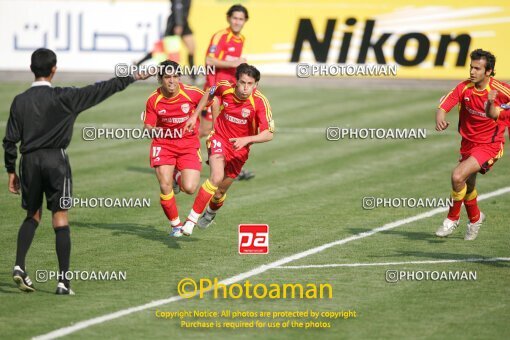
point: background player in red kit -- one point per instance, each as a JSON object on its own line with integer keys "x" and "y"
{"x": 482, "y": 139}
{"x": 224, "y": 53}
{"x": 167, "y": 110}
{"x": 245, "y": 118}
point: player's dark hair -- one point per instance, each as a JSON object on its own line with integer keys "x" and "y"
{"x": 42, "y": 62}
{"x": 169, "y": 66}
{"x": 249, "y": 70}
{"x": 237, "y": 8}
{"x": 490, "y": 59}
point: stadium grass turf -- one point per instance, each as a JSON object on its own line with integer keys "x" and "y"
{"x": 309, "y": 191}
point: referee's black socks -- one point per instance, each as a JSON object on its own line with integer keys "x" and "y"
{"x": 25, "y": 236}
{"x": 191, "y": 62}
{"x": 63, "y": 247}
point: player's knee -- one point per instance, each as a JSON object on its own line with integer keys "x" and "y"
{"x": 165, "y": 188}
{"x": 36, "y": 216}
{"x": 458, "y": 177}
{"x": 59, "y": 219}
{"x": 29, "y": 219}
{"x": 189, "y": 188}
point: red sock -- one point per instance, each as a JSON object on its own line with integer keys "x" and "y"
{"x": 454, "y": 212}
{"x": 217, "y": 203}
{"x": 204, "y": 195}
{"x": 169, "y": 206}
{"x": 458, "y": 198}
{"x": 471, "y": 205}
{"x": 472, "y": 210}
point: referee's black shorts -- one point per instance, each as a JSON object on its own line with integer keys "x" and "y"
{"x": 45, "y": 171}
{"x": 170, "y": 26}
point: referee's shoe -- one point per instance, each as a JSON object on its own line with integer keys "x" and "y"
{"x": 64, "y": 289}
{"x": 22, "y": 280}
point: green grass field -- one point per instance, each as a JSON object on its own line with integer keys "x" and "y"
{"x": 309, "y": 190}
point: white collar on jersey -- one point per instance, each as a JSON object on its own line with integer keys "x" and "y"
{"x": 41, "y": 83}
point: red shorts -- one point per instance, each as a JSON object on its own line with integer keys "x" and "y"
{"x": 485, "y": 154}
{"x": 188, "y": 158}
{"x": 234, "y": 159}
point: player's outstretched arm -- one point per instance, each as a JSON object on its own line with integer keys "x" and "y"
{"x": 490, "y": 109}
{"x": 441, "y": 123}
{"x": 212, "y": 61}
{"x": 262, "y": 137}
{"x": 215, "y": 109}
{"x": 150, "y": 127}
{"x": 192, "y": 120}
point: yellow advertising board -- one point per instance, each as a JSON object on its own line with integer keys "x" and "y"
{"x": 425, "y": 39}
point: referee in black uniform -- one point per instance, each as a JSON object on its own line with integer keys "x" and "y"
{"x": 42, "y": 118}
{"x": 177, "y": 24}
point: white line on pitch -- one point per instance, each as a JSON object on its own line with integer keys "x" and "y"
{"x": 333, "y": 265}
{"x": 256, "y": 271}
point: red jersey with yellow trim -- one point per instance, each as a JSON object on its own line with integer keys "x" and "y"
{"x": 241, "y": 118}
{"x": 172, "y": 113}
{"x": 224, "y": 45}
{"x": 474, "y": 125}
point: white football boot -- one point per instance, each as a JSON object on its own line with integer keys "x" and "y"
{"x": 187, "y": 228}
{"x": 447, "y": 228}
{"x": 473, "y": 228}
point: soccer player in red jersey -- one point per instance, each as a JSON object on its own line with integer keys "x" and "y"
{"x": 482, "y": 138}
{"x": 173, "y": 148}
{"x": 245, "y": 118}
{"x": 224, "y": 53}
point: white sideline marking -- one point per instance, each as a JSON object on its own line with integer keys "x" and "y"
{"x": 256, "y": 271}
{"x": 333, "y": 265}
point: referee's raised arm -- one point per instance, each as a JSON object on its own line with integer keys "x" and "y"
{"x": 77, "y": 100}
{"x": 42, "y": 119}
